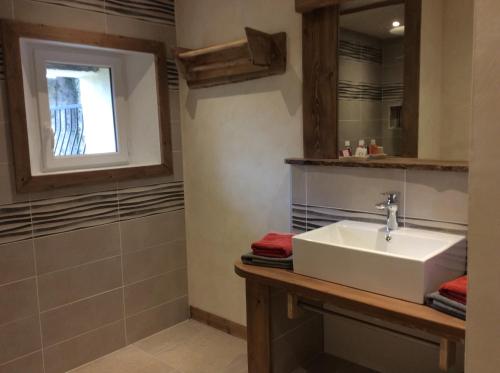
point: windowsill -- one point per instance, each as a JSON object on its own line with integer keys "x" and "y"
{"x": 390, "y": 162}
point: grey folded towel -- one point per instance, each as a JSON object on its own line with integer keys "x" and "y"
{"x": 446, "y": 305}
{"x": 264, "y": 261}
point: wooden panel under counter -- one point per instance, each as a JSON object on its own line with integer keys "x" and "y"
{"x": 263, "y": 282}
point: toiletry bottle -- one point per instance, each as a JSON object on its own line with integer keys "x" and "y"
{"x": 361, "y": 150}
{"x": 373, "y": 148}
{"x": 346, "y": 151}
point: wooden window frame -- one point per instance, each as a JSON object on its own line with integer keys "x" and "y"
{"x": 320, "y": 30}
{"x": 12, "y": 32}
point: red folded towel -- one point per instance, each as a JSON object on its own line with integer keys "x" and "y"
{"x": 455, "y": 290}
{"x": 274, "y": 245}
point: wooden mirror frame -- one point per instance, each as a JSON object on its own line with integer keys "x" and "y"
{"x": 320, "y": 30}
{"x": 12, "y": 32}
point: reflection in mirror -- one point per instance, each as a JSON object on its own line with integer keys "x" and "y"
{"x": 371, "y": 92}
{"x": 371, "y": 66}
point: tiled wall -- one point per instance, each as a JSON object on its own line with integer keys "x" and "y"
{"x": 86, "y": 270}
{"x": 428, "y": 199}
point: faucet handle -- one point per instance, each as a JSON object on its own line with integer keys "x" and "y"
{"x": 392, "y": 197}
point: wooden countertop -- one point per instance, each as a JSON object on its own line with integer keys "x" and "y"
{"x": 390, "y": 162}
{"x": 385, "y": 308}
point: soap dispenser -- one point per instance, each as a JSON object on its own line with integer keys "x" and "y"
{"x": 361, "y": 150}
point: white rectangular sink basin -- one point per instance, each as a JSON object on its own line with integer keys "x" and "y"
{"x": 414, "y": 263}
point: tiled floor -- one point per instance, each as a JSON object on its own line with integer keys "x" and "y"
{"x": 189, "y": 347}
{"x": 192, "y": 347}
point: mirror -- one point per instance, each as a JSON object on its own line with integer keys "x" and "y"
{"x": 373, "y": 69}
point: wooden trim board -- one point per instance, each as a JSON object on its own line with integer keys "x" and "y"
{"x": 218, "y": 322}
{"x": 320, "y": 77}
{"x": 390, "y": 162}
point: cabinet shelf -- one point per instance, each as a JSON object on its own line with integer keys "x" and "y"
{"x": 256, "y": 56}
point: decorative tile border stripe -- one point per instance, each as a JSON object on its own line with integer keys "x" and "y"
{"x": 173, "y": 75}
{"x": 372, "y": 92}
{"x": 92, "y": 5}
{"x": 143, "y": 201}
{"x": 156, "y": 11}
{"x": 56, "y": 215}
{"x": 359, "y": 91}
{"x": 159, "y": 11}
{"x": 307, "y": 217}
{"x": 44, "y": 217}
{"x": 360, "y": 52}
{"x": 15, "y": 222}
{"x": 392, "y": 92}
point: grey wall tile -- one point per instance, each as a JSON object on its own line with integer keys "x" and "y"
{"x": 437, "y": 195}
{"x": 31, "y": 363}
{"x": 352, "y": 188}
{"x": 153, "y": 230}
{"x": 84, "y": 348}
{"x": 19, "y": 338}
{"x": 16, "y": 261}
{"x": 80, "y": 317}
{"x": 59, "y": 251}
{"x": 155, "y": 291}
{"x": 18, "y": 301}
{"x": 155, "y": 319}
{"x": 62, "y": 287}
{"x": 139, "y": 265}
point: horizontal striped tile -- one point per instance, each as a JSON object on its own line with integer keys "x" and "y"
{"x": 157, "y": 11}
{"x": 359, "y": 91}
{"x": 68, "y": 213}
{"x": 360, "y": 52}
{"x": 392, "y": 92}
{"x": 58, "y": 215}
{"x": 149, "y": 200}
{"x": 15, "y": 222}
{"x": 308, "y": 217}
{"x": 173, "y": 75}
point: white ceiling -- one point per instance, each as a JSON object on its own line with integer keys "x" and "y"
{"x": 374, "y": 22}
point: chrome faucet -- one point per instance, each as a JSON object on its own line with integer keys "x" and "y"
{"x": 391, "y": 206}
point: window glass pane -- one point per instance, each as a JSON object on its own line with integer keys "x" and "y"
{"x": 81, "y": 109}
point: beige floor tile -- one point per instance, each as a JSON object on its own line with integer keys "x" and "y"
{"x": 192, "y": 347}
{"x": 127, "y": 360}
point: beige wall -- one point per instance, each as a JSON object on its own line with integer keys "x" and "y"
{"x": 235, "y": 140}
{"x": 445, "y": 79}
{"x": 483, "y": 318}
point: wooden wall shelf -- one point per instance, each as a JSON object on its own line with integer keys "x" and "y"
{"x": 256, "y": 56}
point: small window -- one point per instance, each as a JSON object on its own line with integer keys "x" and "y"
{"x": 82, "y": 123}
{"x": 85, "y": 107}
{"x": 76, "y": 93}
